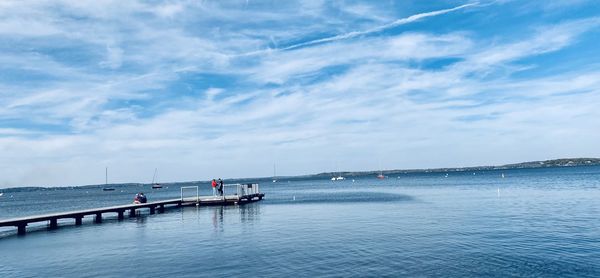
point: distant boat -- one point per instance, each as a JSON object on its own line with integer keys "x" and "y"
{"x": 274, "y": 173}
{"x": 155, "y": 185}
{"x": 1, "y": 193}
{"x": 106, "y": 188}
{"x": 380, "y": 176}
{"x": 338, "y": 177}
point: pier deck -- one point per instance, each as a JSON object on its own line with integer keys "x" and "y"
{"x": 160, "y": 206}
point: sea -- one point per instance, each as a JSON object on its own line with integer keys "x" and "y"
{"x": 495, "y": 223}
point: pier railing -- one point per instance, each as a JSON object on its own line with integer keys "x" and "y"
{"x": 248, "y": 189}
{"x": 241, "y": 189}
{"x": 190, "y": 188}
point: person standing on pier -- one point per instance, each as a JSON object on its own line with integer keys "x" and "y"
{"x": 220, "y": 187}
{"x": 214, "y": 187}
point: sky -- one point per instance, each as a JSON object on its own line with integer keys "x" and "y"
{"x": 206, "y": 89}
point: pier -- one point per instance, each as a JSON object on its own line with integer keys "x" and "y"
{"x": 245, "y": 193}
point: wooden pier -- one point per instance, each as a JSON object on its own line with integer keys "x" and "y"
{"x": 153, "y": 207}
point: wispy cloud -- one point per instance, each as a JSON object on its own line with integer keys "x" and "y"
{"x": 134, "y": 86}
{"x": 377, "y": 29}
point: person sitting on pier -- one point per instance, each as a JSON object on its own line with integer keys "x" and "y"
{"x": 214, "y": 187}
{"x": 143, "y": 198}
{"x": 140, "y": 198}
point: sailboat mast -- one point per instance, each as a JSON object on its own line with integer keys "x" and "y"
{"x": 106, "y": 176}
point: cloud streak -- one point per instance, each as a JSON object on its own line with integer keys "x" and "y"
{"x": 377, "y": 29}
{"x": 156, "y": 86}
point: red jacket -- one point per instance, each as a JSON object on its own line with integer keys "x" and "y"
{"x": 214, "y": 184}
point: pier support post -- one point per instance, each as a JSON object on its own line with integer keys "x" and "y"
{"x": 120, "y": 214}
{"x": 98, "y": 218}
{"x": 21, "y": 229}
{"x": 161, "y": 208}
{"x": 53, "y": 223}
{"x": 152, "y": 210}
{"x": 78, "y": 220}
{"x": 132, "y": 212}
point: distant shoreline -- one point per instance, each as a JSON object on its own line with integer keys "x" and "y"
{"x": 552, "y": 163}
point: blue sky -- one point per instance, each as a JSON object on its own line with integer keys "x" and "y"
{"x": 202, "y": 89}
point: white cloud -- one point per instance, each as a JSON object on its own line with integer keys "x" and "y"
{"x": 348, "y": 98}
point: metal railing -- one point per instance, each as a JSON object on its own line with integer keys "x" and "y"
{"x": 242, "y": 189}
{"x": 236, "y": 189}
{"x": 190, "y": 187}
{"x": 248, "y": 189}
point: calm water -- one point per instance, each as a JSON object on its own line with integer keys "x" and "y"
{"x": 531, "y": 223}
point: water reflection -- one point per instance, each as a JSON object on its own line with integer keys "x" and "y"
{"x": 217, "y": 218}
{"x": 140, "y": 219}
{"x": 249, "y": 212}
{"x": 186, "y": 212}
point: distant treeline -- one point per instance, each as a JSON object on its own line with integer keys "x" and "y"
{"x": 563, "y": 162}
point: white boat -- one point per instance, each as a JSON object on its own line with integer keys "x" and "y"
{"x": 338, "y": 177}
{"x": 274, "y": 173}
{"x": 380, "y": 176}
{"x": 1, "y": 193}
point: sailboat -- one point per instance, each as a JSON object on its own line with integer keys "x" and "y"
{"x": 106, "y": 188}
{"x": 155, "y": 185}
{"x": 274, "y": 173}
{"x": 380, "y": 176}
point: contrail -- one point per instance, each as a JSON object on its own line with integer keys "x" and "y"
{"x": 354, "y": 34}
